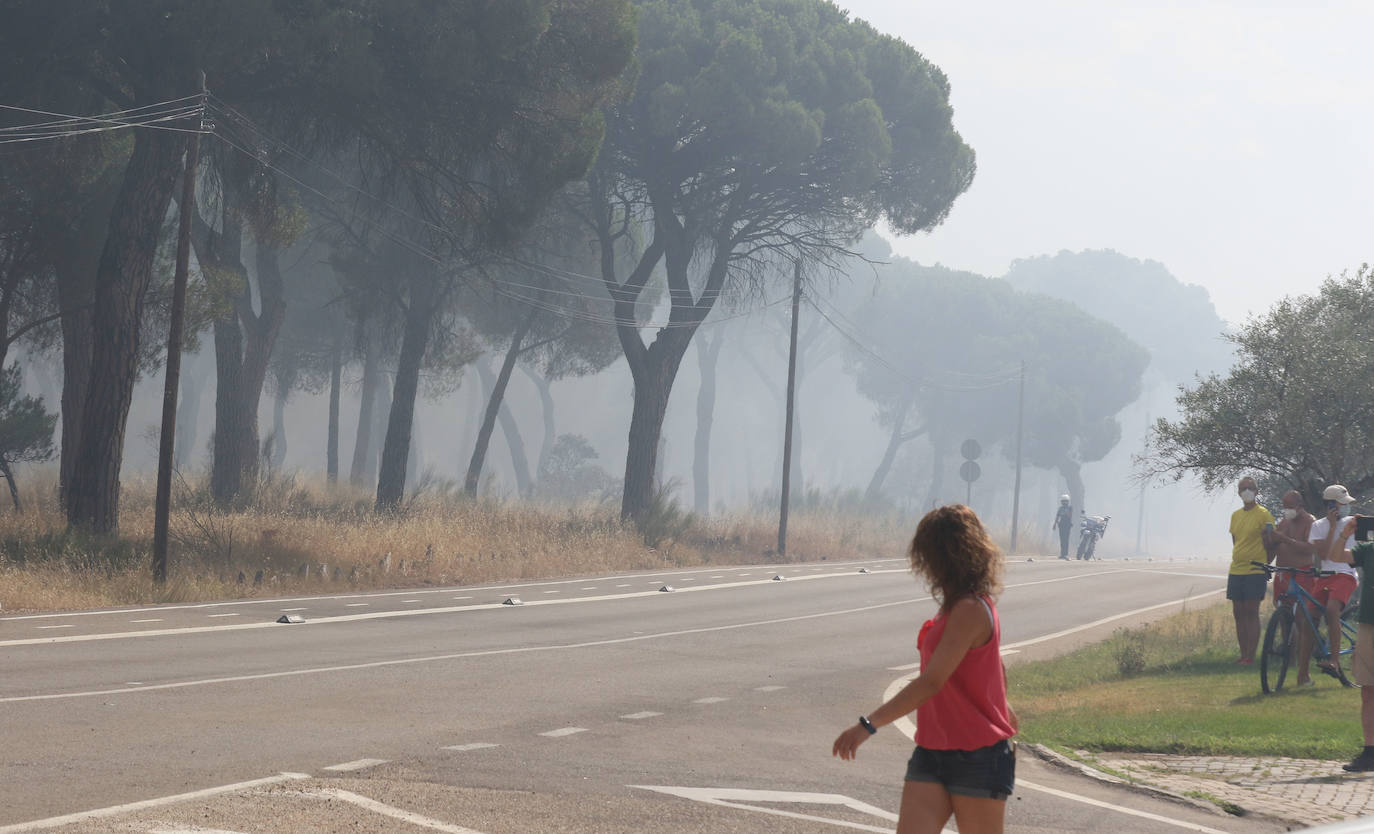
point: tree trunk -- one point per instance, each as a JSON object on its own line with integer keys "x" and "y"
{"x": 78, "y": 258}
{"x": 937, "y": 474}
{"x": 231, "y": 458}
{"x": 550, "y": 427}
{"x": 391, "y": 475}
{"x": 286, "y": 380}
{"x": 120, "y": 288}
{"x": 708, "y": 352}
{"x": 362, "y": 443}
{"x": 14, "y": 488}
{"x": 188, "y": 414}
{"x": 331, "y": 451}
{"x": 895, "y": 440}
{"x": 495, "y": 401}
{"x": 653, "y": 378}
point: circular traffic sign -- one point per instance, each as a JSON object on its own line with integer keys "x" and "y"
{"x": 971, "y": 450}
{"x": 970, "y": 470}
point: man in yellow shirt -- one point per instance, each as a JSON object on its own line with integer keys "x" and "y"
{"x": 1251, "y": 528}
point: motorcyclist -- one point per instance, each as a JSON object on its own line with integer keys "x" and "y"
{"x": 1063, "y": 522}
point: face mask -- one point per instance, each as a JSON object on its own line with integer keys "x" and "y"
{"x": 1247, "y": 495}
{"x": 1289, "y": 513}
{"x": 1345, "y": 510}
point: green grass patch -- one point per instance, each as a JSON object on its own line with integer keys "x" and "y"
{"x": 1173, "y": 687}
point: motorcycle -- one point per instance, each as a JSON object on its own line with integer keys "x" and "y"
{"x": 1091, "y": 528}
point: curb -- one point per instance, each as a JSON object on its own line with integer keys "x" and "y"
{"x": 1063, "y": 762}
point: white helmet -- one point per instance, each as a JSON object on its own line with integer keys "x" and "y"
{"x": 1063, "y": 499}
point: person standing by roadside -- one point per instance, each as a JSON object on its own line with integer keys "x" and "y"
{"x": 1291, "y": 550}
{"x": 964, "y": 763}
{"x": 1245, "y": 582}
{"x": 1063, "y": 522}
{"x": 1362, "y": 555}
{"x": 1333, "y": 591}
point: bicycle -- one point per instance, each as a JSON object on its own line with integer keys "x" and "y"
{"x": 1279, "y": 646}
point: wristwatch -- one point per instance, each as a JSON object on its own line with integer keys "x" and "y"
{"x": 867, "y": 725}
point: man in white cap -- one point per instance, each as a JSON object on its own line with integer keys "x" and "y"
{"x": 1333, "y": 591}
{"x": 1063, "y": 522}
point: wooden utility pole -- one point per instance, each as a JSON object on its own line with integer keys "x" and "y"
{"x": 791, "y": 397}
{"x": 1016, "y": 489}
{"x": 167, "y": 440}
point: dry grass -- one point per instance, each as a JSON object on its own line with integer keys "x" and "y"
{"x": 310, "y": 538}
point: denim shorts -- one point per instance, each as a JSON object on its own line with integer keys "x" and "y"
{"x": 985, "y": 773}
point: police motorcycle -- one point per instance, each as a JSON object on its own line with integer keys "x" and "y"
{"x": 1091, "y": 528}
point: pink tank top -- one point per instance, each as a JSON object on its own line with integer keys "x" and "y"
{"x": 970, "y": 711}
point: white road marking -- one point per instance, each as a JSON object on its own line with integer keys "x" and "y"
{"x": 731, "y": 798}
{"x": 716, "y": 576}
{"x": 410, "y": 600}
{"x": 590, "y": 588}
{"x": 357, "y": 605}
{"x": 710, "y": 700}
{"x": 1097, "y": 803}
{"x": 637, "y": 716}
{"x": 564, "y": 731}
{"x": 357, "y": 764}
{"x": 153, "y": 620}
{"x": 295, "y": 609}
{"x": 744, "y": 574}
{"x": 476, "y": 745}
{"x": 68, "y": 625}
{"x": 318, "y": 670}
{"x": 389, "y": 811}
{"x": 222, "y": 615}
{"x": 626, "y": 586}
{"x": 768, "y": 688}
{"x": 335, "y": 597}
{"x": 553, "y": 592}
{"x": 133, "y": 683}
{"x": 114, "y": 810}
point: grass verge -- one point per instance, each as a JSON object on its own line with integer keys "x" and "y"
{"x": 1173, "y": 687}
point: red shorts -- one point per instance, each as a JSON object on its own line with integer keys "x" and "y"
{"x": 1338, "y": 586}
{"x": 1281, "y": 584}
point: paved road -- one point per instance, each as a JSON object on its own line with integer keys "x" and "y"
{"x": 598, "y": 705}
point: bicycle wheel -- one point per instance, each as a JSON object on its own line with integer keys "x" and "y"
{"x": 1277, "y": 650}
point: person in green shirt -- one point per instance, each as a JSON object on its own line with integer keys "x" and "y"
{"x": 1251, "y": 527}
{"x": 1361, "y": 556}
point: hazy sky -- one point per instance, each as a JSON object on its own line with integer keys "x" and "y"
{"x": 1229, "y": 140}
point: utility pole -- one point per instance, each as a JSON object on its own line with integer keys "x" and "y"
{"x": 167, "y": 439}
{"x": 1020, "y": 422}
{"x": 791, "y": 395}
{"x": 1140, "y": 515}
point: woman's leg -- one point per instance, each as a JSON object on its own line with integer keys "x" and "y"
{"x": 925, "y": 808}
{"x": 978, "y": 816}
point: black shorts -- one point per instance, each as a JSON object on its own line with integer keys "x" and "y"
{"x": 985, "y": 773}
{"x": 1246, "y": 587}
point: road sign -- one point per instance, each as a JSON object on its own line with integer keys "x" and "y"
{"x": 971, "y": 449}
{"x": 970, "y": 470}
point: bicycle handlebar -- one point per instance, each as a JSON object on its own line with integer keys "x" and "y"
{"x": 1272, "y": 569}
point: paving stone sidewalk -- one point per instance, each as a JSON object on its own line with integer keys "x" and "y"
{"x": 1302, "y": 791}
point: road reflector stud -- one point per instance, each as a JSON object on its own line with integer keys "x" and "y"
{"x": 291, "y": 618}
{"x": 777, "y": 577}
{"x": 667, "y": 589}
{"x": 512, "y": 601}
{"x": 863, "y": 570}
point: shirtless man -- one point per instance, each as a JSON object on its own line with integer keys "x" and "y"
{"x": 1291, "y": 539}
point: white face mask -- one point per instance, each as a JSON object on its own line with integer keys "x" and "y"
{"x": 1289, "y": 513}
{"x": 1247, "y": 495}
{"x": 1345, "y": 510}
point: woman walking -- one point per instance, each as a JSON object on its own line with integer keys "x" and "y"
{"x": 964, "y": 763}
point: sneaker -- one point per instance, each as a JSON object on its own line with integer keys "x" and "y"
{"x": 1307, "y": 683}
{"x": 1362, "y": 762}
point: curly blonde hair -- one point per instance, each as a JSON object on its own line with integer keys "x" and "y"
{"x": 953, "y": 552}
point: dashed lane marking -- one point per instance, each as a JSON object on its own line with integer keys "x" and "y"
{"x": 43, "y": 628}
{"x": 768, "y": 688}
{"x": 212, "y": 616}
{"x": 476, "y": 745}
{"x": 356, "y": 605}
{"x": 153, "y": 620}
{"x": 357, "y": 764}
{"x": 296, "y": 609}
{"x": 553, "y": 592}
{"x": 564, "y": 731}
{"x": 711, "y": 700}
{"x": 410, "y": 600}
{"x": 115, "y": 810}
{"x": 639, "y": 716}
